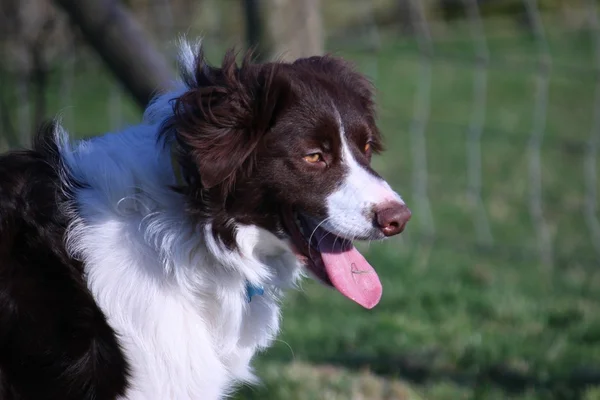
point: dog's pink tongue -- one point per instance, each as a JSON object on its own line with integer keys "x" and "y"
{"x": 349, "y": 272}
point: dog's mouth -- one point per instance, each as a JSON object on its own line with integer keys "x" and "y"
{"x": 333, "y": 259}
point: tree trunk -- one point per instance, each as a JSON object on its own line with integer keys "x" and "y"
{"x": 119, "y": 40}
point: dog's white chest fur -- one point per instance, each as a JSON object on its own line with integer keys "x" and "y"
{"x": 175, "y": 297}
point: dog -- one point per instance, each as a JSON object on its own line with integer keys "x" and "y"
{"x": 150, "y": 263}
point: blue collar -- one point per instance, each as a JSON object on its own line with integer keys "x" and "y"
{"x": 252, "y": 290}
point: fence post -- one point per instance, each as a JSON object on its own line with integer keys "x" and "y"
{"x": 254, "y": 27}
{"x": 294, "y": 28}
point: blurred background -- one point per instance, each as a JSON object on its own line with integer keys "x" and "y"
{"x": 491, "y": 115}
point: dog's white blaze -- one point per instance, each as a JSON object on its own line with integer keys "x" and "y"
{"x": 350, "y": 207}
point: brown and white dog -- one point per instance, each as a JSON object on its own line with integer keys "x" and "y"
{"x": 149, "y": 264}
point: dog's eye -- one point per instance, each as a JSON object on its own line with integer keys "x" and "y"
{"x": 313, "y": 158}
{"x": 368, "y": 147}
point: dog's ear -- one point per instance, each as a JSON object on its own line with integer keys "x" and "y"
{"x": 221, "y": 119}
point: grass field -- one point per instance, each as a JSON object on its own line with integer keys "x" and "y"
{"x": 457, "y": 320}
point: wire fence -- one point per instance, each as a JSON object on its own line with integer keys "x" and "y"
{"x": 426, "y": 48}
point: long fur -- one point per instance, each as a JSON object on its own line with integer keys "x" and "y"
{"x": 117, "y": 281}
{"x": 191, "y": 330}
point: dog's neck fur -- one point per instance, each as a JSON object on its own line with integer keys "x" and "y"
{"x": 176, "y": 296}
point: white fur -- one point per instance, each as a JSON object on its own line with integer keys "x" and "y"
{"x": 174, "y": 295}
{"x": 350, "y": 207}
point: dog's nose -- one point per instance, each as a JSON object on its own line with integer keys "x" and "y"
{"x": 391, "y": 217}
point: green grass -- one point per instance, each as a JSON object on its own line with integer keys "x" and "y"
{"x": 457, "y": 320}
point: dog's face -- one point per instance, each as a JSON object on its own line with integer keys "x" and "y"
{"x": 288, "y": 147}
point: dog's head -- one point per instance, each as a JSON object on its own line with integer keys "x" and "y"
{"x": 287, "y": 147}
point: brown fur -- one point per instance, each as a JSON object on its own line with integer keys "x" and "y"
{"x": 241, "y": 132}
